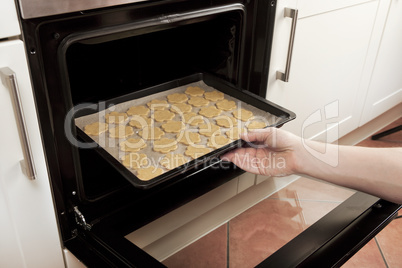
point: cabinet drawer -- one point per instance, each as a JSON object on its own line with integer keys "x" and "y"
{"x": 313, "y": 7}
{"x": 8, "y": 19}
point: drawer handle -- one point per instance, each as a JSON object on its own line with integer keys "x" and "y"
{"x": 9, "y": 80}
{"x": 289, "y": 13}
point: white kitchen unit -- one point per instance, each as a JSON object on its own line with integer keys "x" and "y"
{"x": 28, "y": 229}
{"x": 385, "y": 85}
{"x": 331, "y": 44}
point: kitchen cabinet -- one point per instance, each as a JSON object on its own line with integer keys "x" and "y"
{"x": 28, "y": 229}
{"x": 385, "y": 85}
{"x": 329, "y": 55}
{"x": 8, "y": 19}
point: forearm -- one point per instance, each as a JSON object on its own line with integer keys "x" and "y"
{"x": 377, "y": 171}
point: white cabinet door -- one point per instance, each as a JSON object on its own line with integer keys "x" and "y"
{"x": 329, "y": 54}
{"x": 385, "y": 88}
{"x": 8, "y": 19}
{"x": 28, "y": 233}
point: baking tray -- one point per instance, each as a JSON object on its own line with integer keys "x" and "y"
{"x": 273, "y": 114}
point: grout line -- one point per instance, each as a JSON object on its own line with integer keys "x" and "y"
{"x": 227, "y": 245}
{"x": 382, "y": 255}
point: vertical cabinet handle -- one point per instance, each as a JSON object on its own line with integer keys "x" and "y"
{"x": 9, "y": 80}
{"x": 289, "y": 13}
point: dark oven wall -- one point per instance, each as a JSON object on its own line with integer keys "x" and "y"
{"x": 96, "y": 55}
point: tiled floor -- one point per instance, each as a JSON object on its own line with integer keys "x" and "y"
{"x": 255, "y": 234}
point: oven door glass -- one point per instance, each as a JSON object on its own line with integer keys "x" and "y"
{"x": 288, "y": 228}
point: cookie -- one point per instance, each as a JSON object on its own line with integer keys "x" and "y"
{"x": 177, "y": 98}
{"x": 214, "y": 95}
{"x": 243, "y": 114}
{"x": 198, "y": 101}
{"x": 116, "y": 118}
{"x": 151, "y": 133}
{"x": 173, "y": 126}
{"x": 121, "y": 132}
{"x": 193, "y": 119}
{"x": 210, "y": 111}
{"x": 194, "y": 91}
{"x": 226, "y": 105}
{"x": 208, "y": 129}
{"x": 217, "y": 141}
{"x": 165, "y": 145}
{"x": 96, "y": 128}
{"x": 157, "y": 105}
{"x": 145, "y": 174}
{"x": 138, "y": 110}
{"x": 161, "y": 116}
{"x": 133, "y": 145}
{"x": 171, "y": 160}
{"x": 135, "y": 160}
{"x": 181, "y": 108}
{"x": 226, "y": 121}
{"x": 256, "y": 125}
{"x": 195, "y": 152}
{"x": 140, "y": 121}
{"x": 188, "y": 137}
{"x": 234, "y": 133}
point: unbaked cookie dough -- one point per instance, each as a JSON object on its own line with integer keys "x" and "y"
{"x": 226, "y": 121}
{"x": 214, "y": 95}
{"x": 226, "y": 105}
{"x": 234, "y": 133}
{"x": 195, "y": 152}
{"x": 210, "y": 111}
{"x": 135, "y": 160}
{"x": 177, "y": 98}
{"x": 116, "y": 118}
{"x": 165, "y": 145}
{"x": 133, "y": 145}
{"x": 121, "y": 132}
{"x": 181, "y": 108}
{"x": 188, "y": 137}
{"x": 161, "y": 116}
{"x": 140, "y": 121}
{"x": 157, "y": 105}
{"x": 256, "y": 125}
{"x": 193, "y": 119}
{"x": 138, "y": 110}
{"x": 243, "y": 114}
{"x": 148, "y": 173}
{"x": 208, "y": 129}
{"x": 151, "y": 133}
{"x": 217, "y": 141}
{"x": 95, "y": 129}
{"x": 172, "y": 160}
{"x": 173, "y": 126}
{"x": 198, "y": 101}
{"x": 194, "y": 91}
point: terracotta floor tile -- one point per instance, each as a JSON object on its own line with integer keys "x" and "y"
{"x": 262, "y": 230}
{"x": 392, "y": 140}
{"x": 308, "y": 189}
{"x": 312, "y": 211}
{"x": 208, "y": 251}
{"x": 368, "y": 257}
{"x": 390, "y": 241}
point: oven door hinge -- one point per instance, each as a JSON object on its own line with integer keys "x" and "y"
{"x": 80, "y": 219}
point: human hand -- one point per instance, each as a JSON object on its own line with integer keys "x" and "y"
{"x": 269, "y": 152}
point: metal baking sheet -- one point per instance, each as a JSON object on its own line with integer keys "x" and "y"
{"x": 109, "y": 147}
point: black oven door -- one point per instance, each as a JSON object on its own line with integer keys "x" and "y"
{"x": 329, "y": 242}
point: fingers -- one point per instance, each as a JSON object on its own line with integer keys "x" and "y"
{"x": 259, "y": 135}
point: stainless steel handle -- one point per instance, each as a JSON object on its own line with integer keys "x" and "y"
{"x": 9, "y": 79}
{"x": 289, "y": 13}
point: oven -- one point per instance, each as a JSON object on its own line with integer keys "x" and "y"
{"x": 92, "y": 58}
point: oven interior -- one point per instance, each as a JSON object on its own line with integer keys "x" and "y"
{"x": 99, "y": 68}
